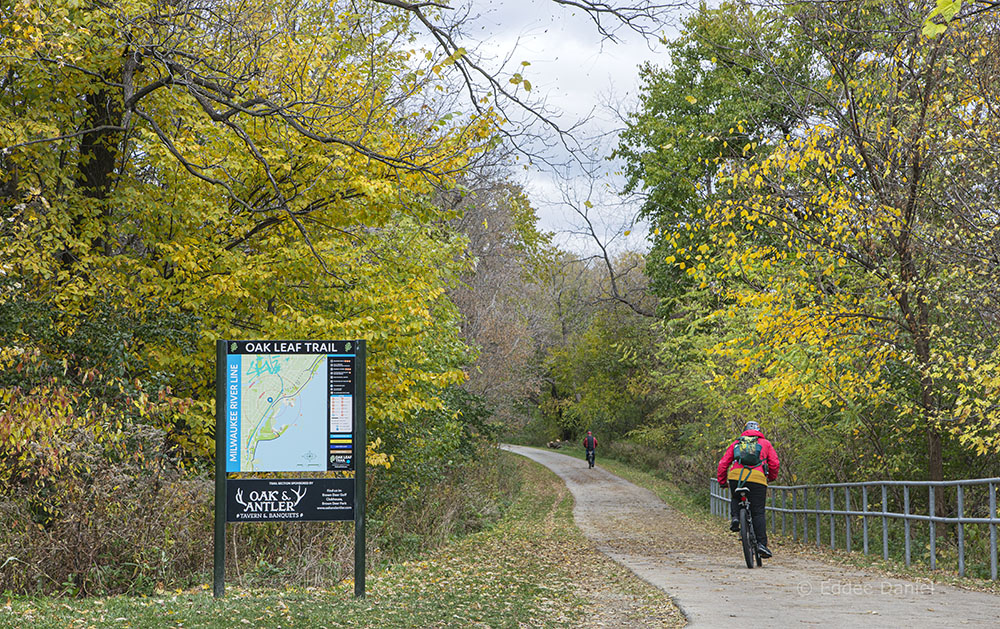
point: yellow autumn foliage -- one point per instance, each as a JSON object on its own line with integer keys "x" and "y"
{"x": 271, "y": 179}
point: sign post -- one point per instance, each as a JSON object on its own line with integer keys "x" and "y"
{"x": 218, "y": 581}
{"x": 290, "y": 406}
{"x": 359, "y": 473}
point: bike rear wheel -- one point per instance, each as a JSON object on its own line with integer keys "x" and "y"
{"x": 745, "y": 537}
{"x": 753, "y": 539}
{"x": 753, "y": 543}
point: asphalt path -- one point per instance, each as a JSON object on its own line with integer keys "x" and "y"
{"x": 702, "y": 568}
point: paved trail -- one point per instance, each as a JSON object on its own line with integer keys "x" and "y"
{"x": 703, "y": 571}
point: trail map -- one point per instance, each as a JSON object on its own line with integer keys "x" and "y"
{"x": 282, "y": 395}
{"x": 291, "y": 411}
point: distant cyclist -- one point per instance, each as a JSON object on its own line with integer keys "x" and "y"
{"x": 590, "y": 445}
{"x": 754, "y": 463}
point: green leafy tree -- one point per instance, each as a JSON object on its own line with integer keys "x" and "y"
{"x": 712, "y": 104}
{"x": 842, "y": 237}
{"x": 815, "y": 265}
{"x": 269, "y": 177}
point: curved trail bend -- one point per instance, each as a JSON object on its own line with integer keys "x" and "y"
{"x": 703, "y": 570}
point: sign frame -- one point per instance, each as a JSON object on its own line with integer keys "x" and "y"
{"x": 279, "y": 499}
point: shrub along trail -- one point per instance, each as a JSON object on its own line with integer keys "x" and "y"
{"x": 533, "y": 569}
{"x": 701, "y": 567}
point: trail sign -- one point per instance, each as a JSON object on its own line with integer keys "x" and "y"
{"x": 289, "y": 406}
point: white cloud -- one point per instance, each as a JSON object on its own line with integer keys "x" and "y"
{"x": 577, "y": 74}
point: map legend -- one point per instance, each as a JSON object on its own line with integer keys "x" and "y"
{"x": 340, "y": 376}
{"x": 341, "y": 412}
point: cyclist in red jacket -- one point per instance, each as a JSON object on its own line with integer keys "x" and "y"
{"x": 754, "y": 477}
{"x": 590, "y": 445}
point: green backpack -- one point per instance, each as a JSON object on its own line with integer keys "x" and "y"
{"x": 746, "y": 451}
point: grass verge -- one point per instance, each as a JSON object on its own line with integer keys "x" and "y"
{"x": 534, "y": 569}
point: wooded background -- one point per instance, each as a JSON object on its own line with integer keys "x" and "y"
{"x": 821, "y": 179}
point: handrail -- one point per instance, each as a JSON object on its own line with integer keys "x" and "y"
{"x": 897, "y": 483}
{"x": 876, "y": 504}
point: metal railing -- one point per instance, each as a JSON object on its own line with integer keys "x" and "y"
{"x": 888, "y": 503}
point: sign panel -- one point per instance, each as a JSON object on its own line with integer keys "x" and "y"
{"x": 290, "y": 500}
{"x": 289, "y": 406}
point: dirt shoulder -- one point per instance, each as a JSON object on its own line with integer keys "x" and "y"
{"x": 701, "y": 567}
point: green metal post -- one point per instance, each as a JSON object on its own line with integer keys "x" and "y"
{"x": 219, "y": 578}
{"x": 360, "y": 460}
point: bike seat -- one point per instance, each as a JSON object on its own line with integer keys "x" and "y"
{"x": 741, "y": 490}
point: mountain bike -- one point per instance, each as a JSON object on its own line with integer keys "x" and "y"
{"x": 590, "y": 458}
{"x": 747, "y": 535}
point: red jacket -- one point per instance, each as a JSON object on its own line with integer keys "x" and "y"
{"x": 592, "y": 437}
{"x": 756, "y": 475}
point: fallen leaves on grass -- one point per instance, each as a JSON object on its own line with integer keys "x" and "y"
{"x": 534, "y": 569}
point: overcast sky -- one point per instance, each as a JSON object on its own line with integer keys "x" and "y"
{"x": 577, "y": 74}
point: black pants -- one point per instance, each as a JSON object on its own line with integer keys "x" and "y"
{"x": 758, "y": 497}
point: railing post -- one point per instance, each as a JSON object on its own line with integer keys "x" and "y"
{"x": 885, "y": 525}
{"x": 818, "y": 527}
{"x": 795, "y": 528}
{"x": 805, "y": 514}
{"x": 961, "y": 531}
{"x": 906, "y": 522}
{"x": 864, "y": 518}
{"x": 993, "y": 532}
{"x": 784, "y": 509}
{"x": 833, "y": 527}
{"x": 773, "y": 518}
{"x": 847, "y": 519}
{"x": 931, "y": 511}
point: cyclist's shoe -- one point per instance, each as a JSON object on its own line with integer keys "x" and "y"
{"x": 763, "y": 551}
{"x": 734, "y": 525}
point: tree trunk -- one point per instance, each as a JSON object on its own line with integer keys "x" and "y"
{"x": 935, "y": 465}
{"x": 99, "y": 150}
{"x": 917, "y": 317}
{"x": 929, "y": 406}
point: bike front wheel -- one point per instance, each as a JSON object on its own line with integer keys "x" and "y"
{"x": 745, "y": 537}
